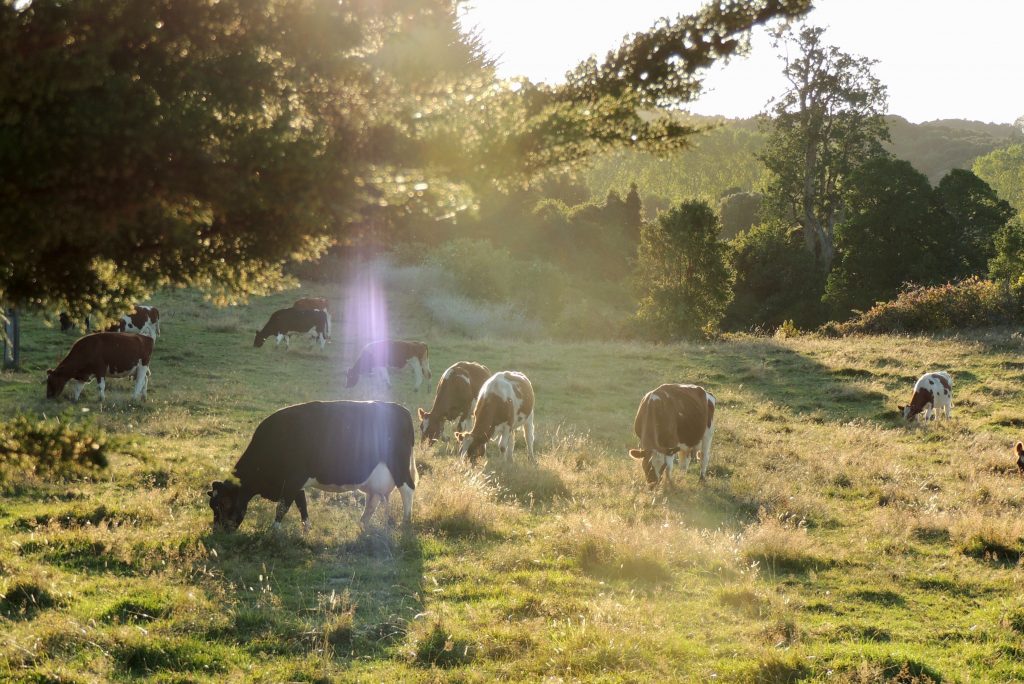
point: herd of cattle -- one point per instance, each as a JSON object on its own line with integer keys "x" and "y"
{"x": 369, "y": 445}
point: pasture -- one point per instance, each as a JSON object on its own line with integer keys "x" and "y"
{"x": 829, "y": 543}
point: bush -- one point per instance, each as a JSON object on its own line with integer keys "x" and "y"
{"x": 50, "y": 449}
{"x": 971, "y": 303}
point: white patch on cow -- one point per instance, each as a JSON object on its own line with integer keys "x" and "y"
{"x": 447, "y": 373}
{"x": 501, "y": 387}
{"x": 76, "y": 388}
{"x": 142, "y": 374}
{"x": 101, "y": 385}
{"x": 407, "y": 496}
{"x": 377, "y": 487}
{"x": 417, "y": 371}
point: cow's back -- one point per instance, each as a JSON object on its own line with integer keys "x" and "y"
{"x": 335, "y": 442}
{"x": 115, "y": 351}
{"x": 671, "y": 415}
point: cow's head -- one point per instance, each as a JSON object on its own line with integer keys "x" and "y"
{"x": 430, "y": 430}
{"x": 228, "y": 506}
{"x": 470, "y": 446}
{"x": 258, "y": 342}
{"x": 1019, "y": 449}
{"x": 908, "y": 412}
{"x": 54, "y": 383}
{"x": 352, "y": 377}
{"x": 654, "y": 463}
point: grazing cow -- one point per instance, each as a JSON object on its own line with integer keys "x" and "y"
{"x": 384, "y": 354}
{"x": 138, "y": 320}
{"x": 103, "y": 355}
{"x": 454, "y": 400}
{"x": 1019, "y": 450}
{"x": 336, "y": 446}
{"x": 285, "y": 321}
{"x": 932, "y": 391}
{"x": 505, "y": 402}
{"x": 316, "y": 303}
{"x": 65, "y": 322}
{"x": 673, "y": 418}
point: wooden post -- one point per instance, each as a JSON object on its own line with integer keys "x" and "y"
{"x": 12, "y": 340}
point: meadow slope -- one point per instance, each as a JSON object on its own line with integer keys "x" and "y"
{"x": 829, "y": 543}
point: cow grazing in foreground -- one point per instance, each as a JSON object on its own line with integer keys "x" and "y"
{"x": 138, "y": 320}
{"x": 505, "y": 402}
{"x": 336, "y": 446}
{"x": 378, "y": 357}
{"x": 103, "y": 355}
{"x": 454, "y": 400}
{"x": 671, "y": 419}
{"x": 315, "y": 303}
{"x": 283, "y": 322}
{"x": 932, "y": 391}
{"x": 1019, "y": 450}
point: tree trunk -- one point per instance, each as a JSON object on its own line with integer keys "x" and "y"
{"x": 12, "y": 349}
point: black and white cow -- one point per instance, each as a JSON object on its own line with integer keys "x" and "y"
{"x": 673, "y": 419}
{"x": 932, "y": 391}
{"x": 336, "y": 446}
{"x": 283, "y": 322}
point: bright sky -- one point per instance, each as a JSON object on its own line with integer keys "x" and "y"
{"x": 940, "y": 59}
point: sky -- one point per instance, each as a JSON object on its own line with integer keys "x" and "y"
{"x": 941, "y": 59}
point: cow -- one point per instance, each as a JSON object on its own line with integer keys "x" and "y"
{"x": 673, "y": 418}
{"x": 336, "y": 446}
{"x": 315, "y": 303}
{"x": 932, "y": 391}
{"x": 505, "y": 402}
{"x": 454, "y": 400}
{"x": 285, "y": 321}
{"x": 1019, "y": 450}
{"x": 103, "y": 355}
{"x": 384, "y": 354}
{"x": 138, "y": 320}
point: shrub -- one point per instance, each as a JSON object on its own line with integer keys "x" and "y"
{"x": 51, "y": 449}
{"x": 967, "y": 304}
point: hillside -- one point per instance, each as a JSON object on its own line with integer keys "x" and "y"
{"x": 830, "y": 541}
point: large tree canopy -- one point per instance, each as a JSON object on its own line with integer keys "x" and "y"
{"x": 207, "y": 142}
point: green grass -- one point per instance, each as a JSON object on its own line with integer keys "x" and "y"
{"x": 829, "y": 543}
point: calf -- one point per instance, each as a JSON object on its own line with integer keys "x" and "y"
{"x": 385, "y": 354}
{"x": 102, "y": 355}
{"x": 454, "y": 400}
{"x": 932, "y": 391}
{"x": 335, "y": 446}
{"x": 285, "y": 321}
{"x": 315, "y": 303}
{"x": 505, "y": 402}
{"x": 144, "y": 319}
{"x": 673, "y": 418}
{"x": 1019, "y": 450}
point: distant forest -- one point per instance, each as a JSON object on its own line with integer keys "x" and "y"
{"x": 724, "y": 160}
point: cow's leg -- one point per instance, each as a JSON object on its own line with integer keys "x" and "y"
{"x": 949, "y": 407}
{"x": 282, "y": 507}
{"x": 101, "y": 384}
{"x": 689, "y": 455}
{"x": 287, "y": 342}
{"x": 300, "y": 503}
{"x": 372, "y": 500}
{"x": 385, "y": 377}
{"x": 509, "y": 435}
{"x": 277, "y": 340}
{"x": 705, "y": 451}
{"x": 407, "y": 494}
{"x": 321, "y": 340}
{"x": 528, "y": 432}
{"x": 417, "y": 372}
{"x": 141, "y": 381}
{"x": 76, "y": 388}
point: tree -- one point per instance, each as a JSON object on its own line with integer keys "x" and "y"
{"x": 738, "y": 212}
{"x": 895, "y": 232}
{"x": 683, "y": 273}
{"x": 633, "y": 211}
{"x": 209, "y": 142}
{"x": 828, "y": 123}
{"x": 1003, "y": 169}
{"x": 776, "y": 279}
{"x": 977, "y": 215}
{"x": 1008, "y": 264}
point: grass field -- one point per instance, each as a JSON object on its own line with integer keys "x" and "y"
{"x": 829, "y": 543}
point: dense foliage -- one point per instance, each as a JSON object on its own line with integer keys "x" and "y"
{"x": 48, "y": 449}
{"x": 972, "y": 303}
{"x": 683, "y": 274}
{"x": 1003, "y": 169}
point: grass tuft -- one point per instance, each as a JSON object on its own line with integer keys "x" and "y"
{"x": 23, "y": 599}
{"x": 440, "y": 648}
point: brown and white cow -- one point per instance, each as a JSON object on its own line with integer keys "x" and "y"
{"x": 454, "y": 400}
{"x": 315, "y": 304}
{"x": 672, "y": 419}
{"x": 137, "y": 321}
{"x": 505, "y": 402}
{"x": 378, "y": 357}
{"x": 932, "y": 391}
{"x": 103, "y": 355}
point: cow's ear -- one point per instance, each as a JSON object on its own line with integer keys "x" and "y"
{"x": 422, "y": 414}
{"x": 638, "y": 454}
